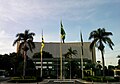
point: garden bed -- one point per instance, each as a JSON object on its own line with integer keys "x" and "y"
{"x": 26, "y": 79}
{"x": 100, "y": 79}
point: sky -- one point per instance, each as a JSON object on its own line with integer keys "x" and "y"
{"x": 16, "y": 16}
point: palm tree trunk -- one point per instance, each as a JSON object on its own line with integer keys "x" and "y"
{"x": 103, "y": 63}
{"x": 70, "y": 68}
{"x": 24, "y": 54}
{"x": 24, "y": 66}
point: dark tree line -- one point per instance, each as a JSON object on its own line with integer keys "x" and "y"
{"x": 13, "y": 63}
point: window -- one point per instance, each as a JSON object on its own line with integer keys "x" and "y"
{"x": 50, "y": 67}
{"x": 49, "y": 62}
{"x": 44, "y": 67}
{"x": 38, "y": 62}
{"x": 44, "y": 62}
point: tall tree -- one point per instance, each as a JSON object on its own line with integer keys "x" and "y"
{"x": 100, "y": 38}
{"x": 26, "y": 43}
{"x": 45, "y": 55}
{"x": 69, "y": 55}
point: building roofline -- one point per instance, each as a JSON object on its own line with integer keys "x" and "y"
{"x": 59, "y": 42}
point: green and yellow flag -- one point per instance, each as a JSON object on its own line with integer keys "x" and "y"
{"x": 42, "y": 43}
{"x": 62, "y": 33}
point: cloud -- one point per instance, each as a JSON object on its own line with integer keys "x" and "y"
{"x": 17, "y": 15}
{"x": 6, "y": 43}
{"x": 22, "y": 9}
{"x": 24, "y": 12}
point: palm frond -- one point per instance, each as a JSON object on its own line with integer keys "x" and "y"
{"x": 26, "y": 32}
{"x": 75, "y": 52}
{"x": 92, "y": 34}
{"x": 25, "y": 37}
{"x": 109, "y": 42}
{"x": 110, "y": 45}
{"x": 16, "y": 41}
{"x": 93, "y": 44}
{"x": 66, "y": 55}
{"x": 107, "y": 34}
{"x": 31, "y": 34}
{"x": 31, "y": 45}
{"x": 101, "y": 35}
{"x": 20, "y": 35}
{"x": 30, "y": 38}
{"x": 70, "y": 53}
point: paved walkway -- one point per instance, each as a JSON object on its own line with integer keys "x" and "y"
{"x": 76, "y": 81}
{"x": 86, "y": 82}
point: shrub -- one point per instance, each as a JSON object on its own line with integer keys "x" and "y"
{"x": 26, "y": 79}
{"x": 100, "y": 79}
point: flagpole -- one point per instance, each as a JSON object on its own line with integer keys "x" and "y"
{"x": 62, "y": 38}
{"x": 61, "y": 59}
{"x": 42, "y": 46}
{"x": 81, "y": 54}
{"x": 61, "y": 51}
{"x": 41, "y": 64}
{"x": 82, "y": 65}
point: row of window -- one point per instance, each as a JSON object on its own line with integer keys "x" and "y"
{"x": 53, "y": 62}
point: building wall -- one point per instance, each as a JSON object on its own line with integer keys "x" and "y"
{"x": 52, "y": 65}
{"x": 54, "y": 49}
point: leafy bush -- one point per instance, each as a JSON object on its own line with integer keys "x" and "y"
{"x": 100, "y": 79}
{"x": 26, "y": 79}
{"x": 91, "y": 78}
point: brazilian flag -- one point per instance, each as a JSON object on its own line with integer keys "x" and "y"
{"x": 62, "y": 33}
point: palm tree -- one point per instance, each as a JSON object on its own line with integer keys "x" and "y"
{"x": 69, "y": 55}
{"x": 26, "y": 43}
{"x": 101, "y": 37}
